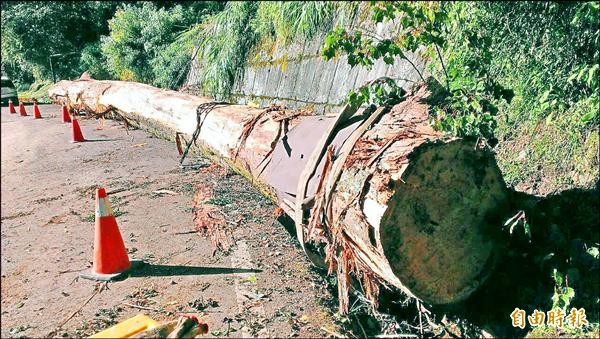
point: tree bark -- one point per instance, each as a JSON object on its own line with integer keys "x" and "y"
{"x": 391, "y": 201}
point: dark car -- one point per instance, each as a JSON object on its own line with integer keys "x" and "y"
{"x": 9, "y": 92}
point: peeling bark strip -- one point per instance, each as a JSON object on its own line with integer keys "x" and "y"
{"x": 210, "y": 220}
{"x": 394, "y": 202}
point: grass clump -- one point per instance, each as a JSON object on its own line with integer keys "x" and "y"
{"x": 547, "y": 55}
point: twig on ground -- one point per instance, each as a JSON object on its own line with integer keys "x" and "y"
{"x": 118, "y": 190}
{"x": 420, "y": 318}
{"x": 141, "y": 307}
{"x": 70, "y": 271}
{"x": 74, "y": 280}
{"x": 186, "y": 232}
{"x": 361, "y": 326}
{"x": 97, "y": 290}
{"x": 335, "y": 334}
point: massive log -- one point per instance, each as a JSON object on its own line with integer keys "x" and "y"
{"x": 379, "y": 193}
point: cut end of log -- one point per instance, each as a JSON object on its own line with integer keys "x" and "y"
{"x": 441, "y": 228}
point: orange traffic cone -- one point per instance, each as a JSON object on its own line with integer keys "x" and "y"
{"x": 36, "y": 111}
{"x": 22, "y": 110}
{"x": 11, "y": 106}
{"x": 77, "y": 135}
{"x": 66, "y": 116}
{"x": 110, "y": 255}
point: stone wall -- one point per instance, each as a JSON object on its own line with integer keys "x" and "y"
{"x": 298, "y": 77}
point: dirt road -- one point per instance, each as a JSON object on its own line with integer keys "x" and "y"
{"x": 264, "y": 285}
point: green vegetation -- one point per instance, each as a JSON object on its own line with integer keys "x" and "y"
{"x": 134, "y": 40}
{"x": 38, "y": 91}
{"x": 219, "y": 201}
{"x": 153, "y": 42}
{"x": 546, "y": 54}
{"x": 32, "y": 31}
{"x": 562, "y": 292}
{"x": 226, "y": 38}
{"x": 230, "y": 37}
{"x": 524, "y": 74}
{"x": 141, "y": 45}
{"x": 588, "y": 331}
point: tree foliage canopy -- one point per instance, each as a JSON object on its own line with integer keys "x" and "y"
{"x": 32, "y": 31}
{"x": 137, "y": 38}
{"x": 513, "y": 71}
{"x": 486, "y": 51}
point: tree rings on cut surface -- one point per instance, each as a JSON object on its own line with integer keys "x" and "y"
{"x": 441, "y": 228}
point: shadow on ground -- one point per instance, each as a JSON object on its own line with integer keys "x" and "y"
{"x": 564, "y": 227}
{"x": 96, "y": 140}
{"x": 150, "y": 270}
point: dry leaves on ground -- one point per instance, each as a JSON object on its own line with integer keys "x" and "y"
{"x": 210, "y": 220}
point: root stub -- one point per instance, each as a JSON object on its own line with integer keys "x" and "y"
{"x": 441, "y": 228}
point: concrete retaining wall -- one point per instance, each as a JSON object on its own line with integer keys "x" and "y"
{"x": 298, "y": 77}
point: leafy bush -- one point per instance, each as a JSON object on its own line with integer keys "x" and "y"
{"x": 171, "y": 63}
{"x": 467, "y": 108}
{"x": 487, "y": 48}
{"x": 139, "y": 48}
{"x": 137, "y": 36}
{"x": 226, "y": 38}
{"x": 285, "y": 21}
{"x": 94, "y": 62}
{"x": 547, "y": 54}
{"x": 149, "y": 44}
{"x": 37, "y": 91}
{"x": 523, "y": 73}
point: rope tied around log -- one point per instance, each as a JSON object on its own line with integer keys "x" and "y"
{"x": 249, "y": 126}
{"x": 202, "y": 112}
{"x": 283, "y": 118}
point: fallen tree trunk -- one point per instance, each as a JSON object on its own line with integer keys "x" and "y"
{"x": 378, "y": 192}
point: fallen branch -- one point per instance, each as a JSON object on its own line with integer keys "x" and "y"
{"x": 141, "y": 307}
{"x": 118, "y": 190}
{"x": 335, "y": 334}
{"x": 99, "y": 288}
{"x": 186, "y": 232}
{"x": 71, "y": 271}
